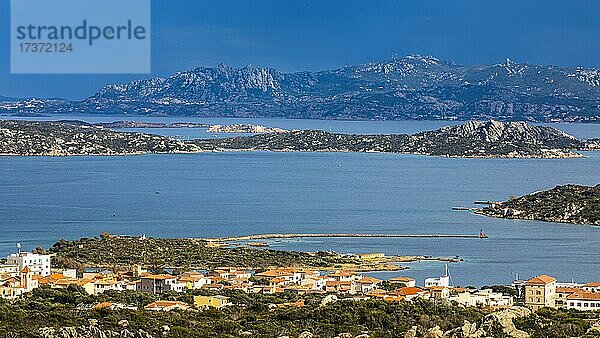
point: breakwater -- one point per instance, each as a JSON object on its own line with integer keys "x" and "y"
{"x": 279, "y": 236}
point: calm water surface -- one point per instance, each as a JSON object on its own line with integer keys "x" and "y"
{"x": 44, "y": 199}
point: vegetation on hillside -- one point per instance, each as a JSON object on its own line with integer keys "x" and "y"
{"x": 564, "y": 204}
{"x": 472, "y": 139}
{"x": 48, "y": 310}
{"x": 158, "y": 253}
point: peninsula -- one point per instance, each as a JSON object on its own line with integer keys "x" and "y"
{"x": 564, "y": 204}
{"x": 190, "y": 253}
{"x": 491, "y": 139}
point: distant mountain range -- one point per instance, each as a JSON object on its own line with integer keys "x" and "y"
{"x": 412, "y": 87}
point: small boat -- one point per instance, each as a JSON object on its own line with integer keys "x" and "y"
{"x": 157, "y": 193}
{"x": 482, "y": 234}
{"x": 460, "y": 208}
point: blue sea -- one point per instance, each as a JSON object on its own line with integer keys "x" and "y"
{"x": 44, "y": 199}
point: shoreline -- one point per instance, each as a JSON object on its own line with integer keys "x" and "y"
{"x": 482, "y": 213}
{"x": 339, "y": 235}
{"x": 575, "y": 154}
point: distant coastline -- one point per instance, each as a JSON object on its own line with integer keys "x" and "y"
{"x": 491, "y": 139}
{"x": 574, "y": 204}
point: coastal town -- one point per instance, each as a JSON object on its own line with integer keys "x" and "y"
{"x": 22, "y": 272}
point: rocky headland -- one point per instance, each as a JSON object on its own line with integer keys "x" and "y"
{"x": 563, "y": 204}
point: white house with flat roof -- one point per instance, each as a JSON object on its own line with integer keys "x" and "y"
{"x": 38, "y": 264}
{"x": 439, "y": 281}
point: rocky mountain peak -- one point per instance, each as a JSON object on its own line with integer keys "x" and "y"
{"x": 496, "y": 131}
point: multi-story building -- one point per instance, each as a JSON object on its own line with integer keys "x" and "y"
{"x": 562, "y": 293}
{"x": 486, "y": 298}
{"x": 38, "y": 264}
{"x": 9, "y": 269}
{"x": 593, "y": 287}
{"x": 156, "y": 284}
{"x": 584, "y": 301}
{"x": 540, "y": 292}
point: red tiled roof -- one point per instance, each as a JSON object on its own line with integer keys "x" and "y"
{"x": 541, "y": 280}
{"x": 369, "y": 280}
{"x": 583, "y": 295}
{"x": 408, "y": 291}
{"x": 564, "y": 289}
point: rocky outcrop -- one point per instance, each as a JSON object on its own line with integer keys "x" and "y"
{"x": 490, "y": 139}
{"x": 563, "y": 204}
{"x": 91, "y": 331}
{"x": 472, "y": 139}
{"x": 504, "y": 321}
{"x": 33, "y": 138}
{"x": 500, "y": 322}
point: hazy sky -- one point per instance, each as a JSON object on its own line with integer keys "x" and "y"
{"x": 315, "y": 35}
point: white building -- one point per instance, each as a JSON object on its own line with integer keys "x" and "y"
{"x": 584, "y": 301}
{"x": 38, "y": 264}
{"x": 593, "y": 287}
{"x": 9, "y": 269}
{"x": 486, "y": 298}
{"x": 439, "y": 281}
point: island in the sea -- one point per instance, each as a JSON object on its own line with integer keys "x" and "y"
{"x": 563, "y": 204}
{"x": 491, "y": 139}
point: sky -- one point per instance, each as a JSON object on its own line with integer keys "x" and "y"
{"x": 297, "y": 35}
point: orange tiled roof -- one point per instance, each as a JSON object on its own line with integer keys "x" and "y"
{"x": 369, "y": 280}
{"x": 393, "y": 298}
{"x": 583, "y": 295}
{"x": 41, "y": 280}
{"x": 66, "y": 281}
{"x": 409, "y": 291}
{"x": 541, "y": 280}
{"x": 564, "y": 289}
{"x": 161, "y": 304}
{"x": 593, "y": 284}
